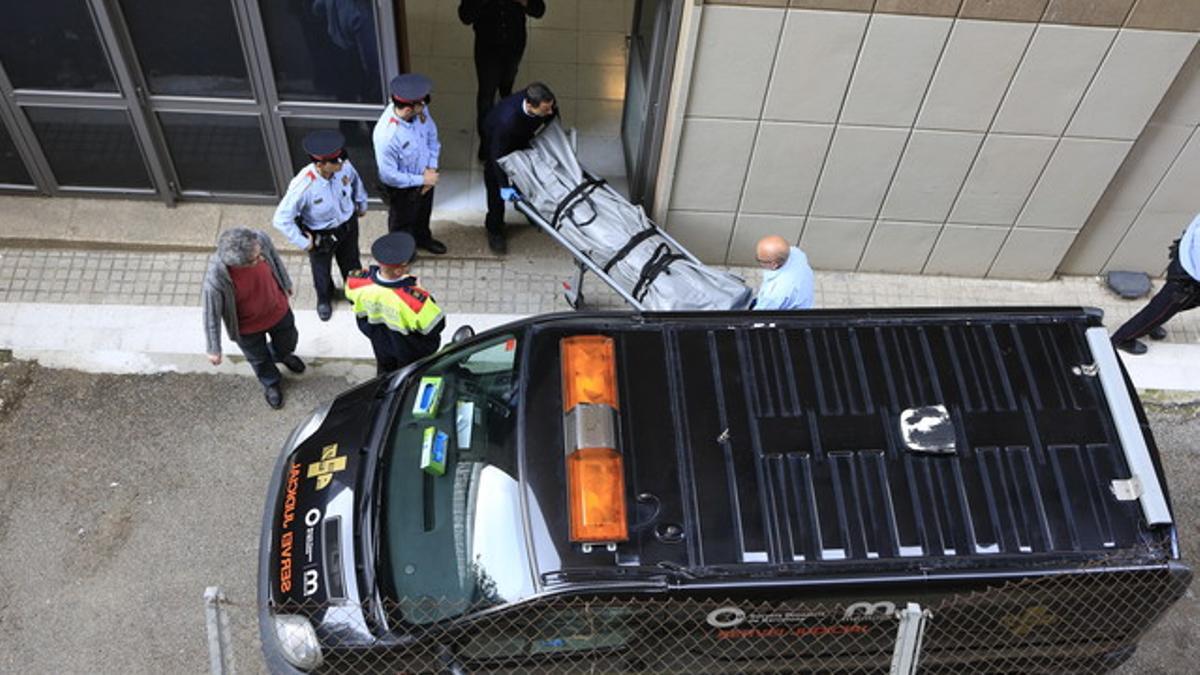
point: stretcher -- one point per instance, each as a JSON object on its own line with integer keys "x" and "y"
{"x": 609, "y": 236}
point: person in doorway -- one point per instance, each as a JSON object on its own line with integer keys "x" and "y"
{"x": 787, "y": 279}
{"x": 320, "y": 213}
{"x": 1179, "y": 293}
{"x": 407, "y": 150}
{"x": 499, "y": 44}
{"x": 510, "y": 126}
{"x": 246, "y": 287}
{"x": 400, "y": 318}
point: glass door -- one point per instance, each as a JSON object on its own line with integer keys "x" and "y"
{"x": 647, "y": 85}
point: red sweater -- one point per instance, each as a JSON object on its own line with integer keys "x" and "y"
{"x": 261, "y": 303}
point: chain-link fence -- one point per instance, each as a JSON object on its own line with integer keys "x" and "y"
{"x": 1085, "y": 620}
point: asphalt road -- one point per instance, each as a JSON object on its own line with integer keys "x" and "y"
{"x": 123, "y": 497}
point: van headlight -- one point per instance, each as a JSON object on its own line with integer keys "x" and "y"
{"x": 297, "y": 640}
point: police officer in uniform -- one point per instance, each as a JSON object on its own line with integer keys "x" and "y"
{"x": 320, "y": 212}
{"x": 1181, "y": 292}
{"x": 406, "y": 152}
{"x": 399, "y": 317}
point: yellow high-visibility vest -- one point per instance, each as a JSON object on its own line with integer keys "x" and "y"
{"x": 404, "y": 309}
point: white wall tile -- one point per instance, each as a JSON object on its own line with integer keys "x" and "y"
{"x": 603, "y": 48}
{"x": 860, "y": 166}
{"x": 1076, "y": 176}
{"x": 812, "y": 69}
{"x": 705, "y": 234}
{"x": 420, "y": 10}
{"x": 750, "y": 227}
{"x": 965, "y": 250}
{"x": 734, "y": 52}
{"x": 899, "y": 247}
{"x": 450, "y": 76}
{"x": 1167, "y": 213}
{"x": 420, "y": 38}
{"x": 599, "y": 118}
{"x": 453, "y": 40}
{"x": 894, "y": 68}
{"x": 930, "y": 175}
{"x": 1129, "y": 190}
{"x": 562, "y": 14}
{"x": 1001, "y": 179}
{"x": 785, "y": 165}
{"x": 1130, "y": 84}
{"x": 552, "y": 45}
{"x": 602, "y": 15}
{"x": 1031, "y": 254}
{"x": 563, "y": 78}
{"x": 713, "y": 156}
{"x": 973, "y": 74}
{"x": 1052, "y": 77}
{"x": 834, "y": 243}
{"x": 606, "y": 82}
{"x": 1181, "y": 105}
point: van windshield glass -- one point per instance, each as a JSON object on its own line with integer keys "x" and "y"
{"x": 453, "y": 538}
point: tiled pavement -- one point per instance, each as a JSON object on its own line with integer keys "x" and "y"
{"x": 516, "y": 285}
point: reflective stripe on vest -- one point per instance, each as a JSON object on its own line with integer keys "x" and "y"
{"x": 405, "y": 310}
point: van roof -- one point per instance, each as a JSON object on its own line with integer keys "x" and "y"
{"x": 852, "y": 441}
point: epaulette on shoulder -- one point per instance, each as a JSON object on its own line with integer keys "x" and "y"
{"x": 360, "y": 274}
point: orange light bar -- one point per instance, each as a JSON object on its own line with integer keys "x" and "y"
{"x": 589, "y": 371}
{"x": 596, "y": 490}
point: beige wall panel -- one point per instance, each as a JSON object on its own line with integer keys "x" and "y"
{"x": 1001, "y": 179}
{"x": 784, "y": 168}
{"x": 844, "y": 5}
{"x": 706, "y": 235}
{"x": 965, "y": 250}
{"x": 602, "y": 16}
{"x": 930, "y": 175}
{"x": 602, "y": 48}
{"x": 713, "y": 156}
{"x": 559, "y": 14}
{"x": 858, "y": 171}
{"x": 1052, "y": 78}
{"x": 751, "y": 227}
{"x": 1003, "y": 10}
{"x": 1166, "y": 15}
{"x": 1181, "y": 104}
{"x": 1031, "y": 254}
{"x": 1125, "y": 196}
{"x": 734, "y": 52}
{"x": 1130, "y": 84}
{"x": 973, "y": 74}
{"x": 1088, "y": 12}
{"x": 1076, "y": 176}
{"x": 899, "y": 247}
{"x": 813, "y": 67}
{"x": 894, "y": 69}
{"x": 920, "y": 7}
{"x": 1170, "y": 209}
{"x": 834, "y": 243}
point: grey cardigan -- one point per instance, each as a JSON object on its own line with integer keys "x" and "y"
{"x": 218, "y": 297}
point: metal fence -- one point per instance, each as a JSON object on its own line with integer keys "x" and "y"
{"x": 1086, "y": 620}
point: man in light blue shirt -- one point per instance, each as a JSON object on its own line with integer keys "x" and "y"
{"x": 787, "y": 279}
{"x": 320, "y": 212}
{"x": 406, "y": 152}
{"x": 1180, "y": 292}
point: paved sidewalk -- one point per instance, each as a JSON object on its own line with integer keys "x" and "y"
{"x": 118, "y": 260}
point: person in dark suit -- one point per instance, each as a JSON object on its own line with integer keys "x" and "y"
{"x": 508, "y": 127}
{"x": 499, "y": 44}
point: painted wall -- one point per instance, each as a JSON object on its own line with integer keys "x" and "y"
{"x": 958, "y": 137}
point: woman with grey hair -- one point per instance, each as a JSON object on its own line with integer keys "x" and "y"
{"x": 247, "y": 287}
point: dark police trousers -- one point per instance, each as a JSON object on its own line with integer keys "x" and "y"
{"x": 322, "y": 255}
{"x": 262, "y": 355}
{"x": 1179, "y": 293}
{"x": 495, "y": 212}
{"x": 409, "y": 211}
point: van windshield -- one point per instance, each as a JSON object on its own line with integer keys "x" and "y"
{"x": 453, "y": 534}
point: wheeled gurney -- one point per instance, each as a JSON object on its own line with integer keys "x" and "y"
{"x": 611, "y": 237}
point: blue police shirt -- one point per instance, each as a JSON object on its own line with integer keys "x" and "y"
{"x": 1189, "y": 249}
{"x": 320, "y": 203}
{"x": 789, "y": 287}
{"x": 403, "y": 150}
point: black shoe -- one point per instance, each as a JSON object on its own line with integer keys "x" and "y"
{"x": 293, "y": 363}
{"x": 498, "y": 243}
{"x": 324, "y": 310}
{"x": 433, "y": 246}
{"x": 274, "y": 396}
{"x": 1135, "y": 347}
{"x": 1158, "y": 333}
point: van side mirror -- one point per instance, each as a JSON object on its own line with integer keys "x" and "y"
{"x": 464, "y": 332}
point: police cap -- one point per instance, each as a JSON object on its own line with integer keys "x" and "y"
{"x": 410, "y": 88}
{"x": 324, "y": 144}
{"x": 396, "y": 248}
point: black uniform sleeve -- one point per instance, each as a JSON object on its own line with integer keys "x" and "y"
{"x": 536, "y": 8}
